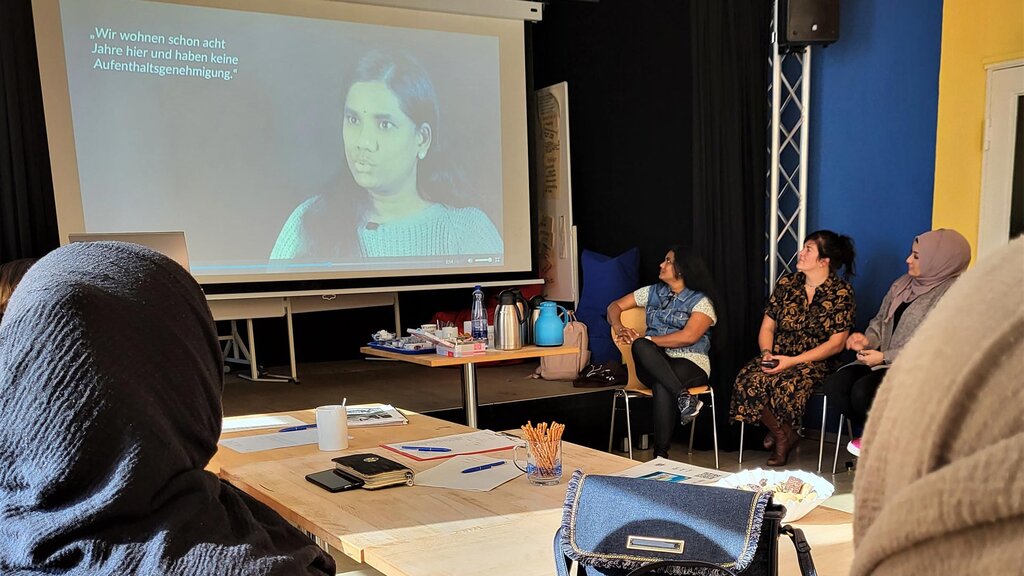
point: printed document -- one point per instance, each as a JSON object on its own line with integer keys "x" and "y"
{"x": 454, "y": 445}
{"x": 667, "y": 470}
{"x": 486, "y": 473}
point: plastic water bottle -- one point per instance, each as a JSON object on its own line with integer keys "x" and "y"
{"x": 478, "y": 316}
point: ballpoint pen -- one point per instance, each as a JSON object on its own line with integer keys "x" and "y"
{"x": 297, "y": 428}
{"x": 426, "y": 448}
{"x": 483, "y": 467}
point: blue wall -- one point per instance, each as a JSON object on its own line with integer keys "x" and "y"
{"x": 874, "y": 103}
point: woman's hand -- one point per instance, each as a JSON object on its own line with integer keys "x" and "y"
{"x": 785, "y": 363}
{"x": 625, "y": 336}
{"x": 857, "y": 341}
{"x": 870, "y": 357}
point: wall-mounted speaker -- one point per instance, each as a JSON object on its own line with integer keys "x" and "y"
{"x": 805, "y": 22}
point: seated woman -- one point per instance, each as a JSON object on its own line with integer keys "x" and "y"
{"x": 112, "y": 378}
{"x": 808, "y": 317}
{"x": 673, "y": 355}
{"x": 937, "y": 258}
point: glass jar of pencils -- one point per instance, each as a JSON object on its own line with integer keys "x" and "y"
{"x": 543, "y": 453}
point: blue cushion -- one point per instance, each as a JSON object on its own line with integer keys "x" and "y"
{"x": 605, "y": 279}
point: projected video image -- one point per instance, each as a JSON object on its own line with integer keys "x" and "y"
{"x": 400, "y": 200}
{"x": 284, "y": 144}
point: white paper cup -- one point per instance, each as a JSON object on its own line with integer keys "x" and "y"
{"x": 332, "y": 427}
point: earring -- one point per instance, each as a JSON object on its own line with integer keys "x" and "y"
{"x": 422, "y": 154}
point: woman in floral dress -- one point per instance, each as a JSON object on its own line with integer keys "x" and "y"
{"x": 808, "y": 317}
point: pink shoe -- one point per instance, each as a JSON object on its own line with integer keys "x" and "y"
{"x": 854, "y": 447}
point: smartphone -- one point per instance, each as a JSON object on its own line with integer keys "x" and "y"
{"x": 769, "y": 363}
{"x": 333, "y": 481}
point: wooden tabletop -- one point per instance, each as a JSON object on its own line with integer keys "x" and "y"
{"x": 426, "y": 531}
{"x": 492, "y": 355}
{"x": 357, "y": 520}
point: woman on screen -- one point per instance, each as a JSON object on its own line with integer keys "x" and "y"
{"x": 405, "y": 205}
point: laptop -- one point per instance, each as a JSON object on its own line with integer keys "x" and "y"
{"x": 170, "y": 244}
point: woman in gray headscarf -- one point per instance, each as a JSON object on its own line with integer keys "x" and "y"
{"x": 110, "y": 407}
{"x": 936, "y": 260}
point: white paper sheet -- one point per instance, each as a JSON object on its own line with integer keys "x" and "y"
{"x": 449, "y": 474}
{"x": 454, "y": 445}
{"x": 270, "y": 441}
{"x": 671, "y": 471}
{"x": 374, "y": 415}
{"x": 240, "y": 423}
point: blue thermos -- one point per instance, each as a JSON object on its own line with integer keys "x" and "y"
{"x": 549, "y": 328}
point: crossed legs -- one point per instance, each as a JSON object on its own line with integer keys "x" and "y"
{"x": 669, "y": 378}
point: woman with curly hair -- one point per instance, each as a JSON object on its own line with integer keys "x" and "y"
{"x": 809, "y": 315}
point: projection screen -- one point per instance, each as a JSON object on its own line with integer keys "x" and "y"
{"x": 291, "y": 139}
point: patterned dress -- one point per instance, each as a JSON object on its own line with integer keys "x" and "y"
{"x": 799, "y": 327}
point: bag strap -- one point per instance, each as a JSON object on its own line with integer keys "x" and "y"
{"x": 803, "y": 550}
{"x": 562, "y": 562}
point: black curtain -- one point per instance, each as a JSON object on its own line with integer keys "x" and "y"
{"x": 730, "y": 74}
{"x": 628, "y": 72}
{"x": 28, "y": 217}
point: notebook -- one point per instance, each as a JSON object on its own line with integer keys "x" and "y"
{"x": 375, "y": 471}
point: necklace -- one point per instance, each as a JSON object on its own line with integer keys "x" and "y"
{"x": 813, "y": 286}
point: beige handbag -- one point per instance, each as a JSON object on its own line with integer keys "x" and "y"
{"x": 567, "y": 366}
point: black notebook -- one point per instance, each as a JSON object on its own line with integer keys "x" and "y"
{"x": 375, "y": 471}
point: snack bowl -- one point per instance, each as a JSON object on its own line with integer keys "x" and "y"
{"x": 797, "y": 504}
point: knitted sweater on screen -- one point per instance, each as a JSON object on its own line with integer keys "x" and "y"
{"x": 437, "y": 230}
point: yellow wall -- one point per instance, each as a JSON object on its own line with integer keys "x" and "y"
{"x": 974, "y": 33}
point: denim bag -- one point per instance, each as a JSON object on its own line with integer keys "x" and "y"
{"x": 615, "y": 526}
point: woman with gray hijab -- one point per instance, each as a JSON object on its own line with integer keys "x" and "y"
{"x": 936, "y": 260}
{"x": 111, "y": 379}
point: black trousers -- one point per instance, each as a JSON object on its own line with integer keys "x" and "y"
{"x": 667, "y": 377}
{"x": 852, "y": 390}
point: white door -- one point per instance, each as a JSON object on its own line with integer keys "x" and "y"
{"x": 1003, "y": 129}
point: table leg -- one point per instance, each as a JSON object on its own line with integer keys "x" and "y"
{"x": 469, "y": 401}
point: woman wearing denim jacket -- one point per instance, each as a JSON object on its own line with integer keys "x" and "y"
{"x": 673, "y": 354}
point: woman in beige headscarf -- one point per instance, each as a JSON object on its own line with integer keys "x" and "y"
{"x": 936, "y": 260}
{"x": 940, "y": 482}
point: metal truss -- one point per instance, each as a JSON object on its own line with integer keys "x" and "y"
{"x": 789, "y": 98}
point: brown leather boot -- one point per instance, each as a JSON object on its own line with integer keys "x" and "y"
{"x": 786, "y": 438}
{"x": 769, "y": 441}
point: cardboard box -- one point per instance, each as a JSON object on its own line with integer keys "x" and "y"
{"x": 468, "y": 349}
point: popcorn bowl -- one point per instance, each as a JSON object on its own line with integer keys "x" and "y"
{"x": 797, "y": 505}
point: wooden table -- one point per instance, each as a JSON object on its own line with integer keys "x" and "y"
{"x": 425, "y": 531}
{"x": 468, "y": 363}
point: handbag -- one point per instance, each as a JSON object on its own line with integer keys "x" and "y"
{"x": 616, "y": 526}
{"x": 567, "y": 366}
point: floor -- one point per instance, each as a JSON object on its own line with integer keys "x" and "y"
{"x": 426, "y": 390}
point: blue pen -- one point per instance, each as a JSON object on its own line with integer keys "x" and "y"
{"x": 483, "y": 467}
{"x": 297, "y": 428}
{"x": 426, "y": 448}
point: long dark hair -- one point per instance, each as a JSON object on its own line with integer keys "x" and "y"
{"x": 696, "y": 276}
{"x": 837, "y": 248}
{"x": 411, "y": 85}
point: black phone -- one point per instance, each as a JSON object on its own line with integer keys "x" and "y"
{"x": 333, "y": 481}
{"x": 769, "y": 363}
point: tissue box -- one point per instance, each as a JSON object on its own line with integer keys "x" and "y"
{"x": 476, "y": 348}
